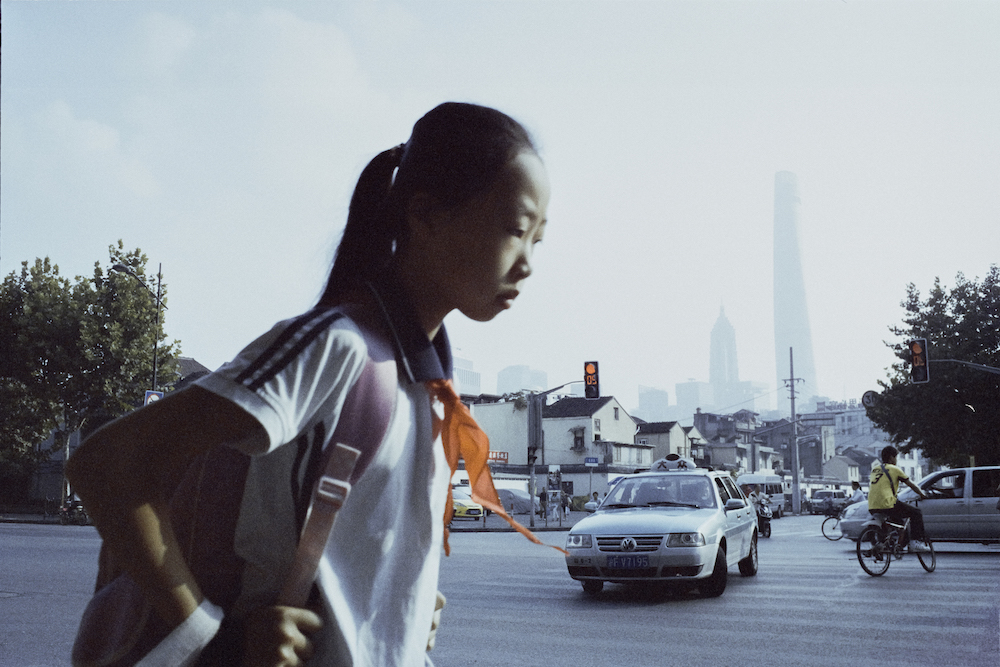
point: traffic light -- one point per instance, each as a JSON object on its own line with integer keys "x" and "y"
{"x": 919, "y": 370}
{"x": 592, "y": 388}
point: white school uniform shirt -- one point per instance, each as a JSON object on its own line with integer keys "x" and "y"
{"x": 379, "y": 574}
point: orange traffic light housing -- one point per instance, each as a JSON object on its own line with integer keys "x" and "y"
{"x": 591, "y": 384}
{"x": 920, "y": 372}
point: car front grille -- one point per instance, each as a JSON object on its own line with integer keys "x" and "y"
{"x": 638, "y": 573}
{"x": 643, "y": 543}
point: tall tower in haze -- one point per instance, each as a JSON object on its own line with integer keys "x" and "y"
{"x": 723, "y": 371}
{"x": 791, "y": 315}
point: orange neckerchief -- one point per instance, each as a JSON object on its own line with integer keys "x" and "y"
{"x": 463, "y": 438}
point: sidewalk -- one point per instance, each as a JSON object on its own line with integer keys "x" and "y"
{"x": 28, "y": 518}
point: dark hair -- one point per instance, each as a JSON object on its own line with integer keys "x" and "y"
{"x": 888, "y": 452}
{"x": 456, "y": 151}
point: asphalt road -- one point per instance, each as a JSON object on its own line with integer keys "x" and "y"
{"x": 511, "y": 603}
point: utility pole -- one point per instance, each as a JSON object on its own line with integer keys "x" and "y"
{"x": 790, "y": 383}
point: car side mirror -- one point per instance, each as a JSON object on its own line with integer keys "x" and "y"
{"x": 734, "y": 504}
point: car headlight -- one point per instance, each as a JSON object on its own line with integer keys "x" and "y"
{"x": 578, "y": 541}
{"x": 685, "y": 540}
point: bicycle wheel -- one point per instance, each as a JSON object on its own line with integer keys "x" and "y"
{"x": 873, "y": 559}
{"x": 928, "y": 559}
{"x": 831, "y": 528}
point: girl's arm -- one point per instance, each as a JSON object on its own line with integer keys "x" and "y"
{"x": 119, "y": 472}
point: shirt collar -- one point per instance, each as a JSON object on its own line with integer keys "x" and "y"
{"x": 419, "y": 359}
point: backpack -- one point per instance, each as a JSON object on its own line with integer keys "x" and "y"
{"x": 119, "y": 627}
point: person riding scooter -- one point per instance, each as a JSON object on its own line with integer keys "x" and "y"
{"x": 762, "y": 505}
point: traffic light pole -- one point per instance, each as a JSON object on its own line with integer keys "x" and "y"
{"x": 536, "y": 403}
{"x": 980, "y": 367}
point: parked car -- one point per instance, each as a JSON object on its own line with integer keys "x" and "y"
{"x": 962, "y": 506}
{"x": 678, "y": 526}
{"x": 824, "y": 502}
{"x": 517, "y": 501}
{"x": 465, "y": 506}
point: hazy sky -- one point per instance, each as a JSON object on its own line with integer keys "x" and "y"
{"x": 224, "y": 139}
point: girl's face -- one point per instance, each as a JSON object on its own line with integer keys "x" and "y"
{"x": 483, "y": 248}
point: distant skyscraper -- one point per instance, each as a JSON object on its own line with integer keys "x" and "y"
{"x": 791, "y": 315}
{"x": 467, "y": 380}
{"x": 722, "y": 365}
{"x": 692, "y": 395}
{"x": 520, "y": 378}
{"x": 654, "y": 404}
{"x": 723, "y": 370}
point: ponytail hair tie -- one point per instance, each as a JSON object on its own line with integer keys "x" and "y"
{"x": 397, "y": 153}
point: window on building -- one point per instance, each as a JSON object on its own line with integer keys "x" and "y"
{"x": 597, "y": 425}
{"x": 616, "y": 414}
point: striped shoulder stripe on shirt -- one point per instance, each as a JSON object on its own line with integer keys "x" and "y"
{"x": 295, "y": 338}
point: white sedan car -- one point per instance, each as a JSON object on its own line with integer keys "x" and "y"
{"x": 676, "y": 526}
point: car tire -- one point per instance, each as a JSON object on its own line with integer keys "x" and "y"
{"x": 592, "y": 586}
{"x": 715, "y": 584}
{"x": 748, "y": 566}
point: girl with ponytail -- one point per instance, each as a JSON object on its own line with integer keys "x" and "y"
{"x": 446, "y": 221}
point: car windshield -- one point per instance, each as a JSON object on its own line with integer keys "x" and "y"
{"x": 459, "y": 494}
{"x": 663, "y": 491}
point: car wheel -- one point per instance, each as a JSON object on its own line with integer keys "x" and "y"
{"x": 748, "y": 566}
{"x": 592, "y": 586}
{"x": 715, "y": 584}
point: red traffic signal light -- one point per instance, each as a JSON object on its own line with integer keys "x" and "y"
{"x": 919, "y": 370}
{"x": 591, "y": 385}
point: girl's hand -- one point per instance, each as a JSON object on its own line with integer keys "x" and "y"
{"x": 279, "y": 636}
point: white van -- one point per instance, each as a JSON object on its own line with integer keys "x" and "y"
{"x": 770, "y": 485}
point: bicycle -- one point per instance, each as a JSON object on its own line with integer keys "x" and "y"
{"x": 831, "y": 525}
{"x": 884, "y": 541}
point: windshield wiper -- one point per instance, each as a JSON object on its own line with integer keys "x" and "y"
{"x": 670, "y": 503}
{"x": 616, "y": 506}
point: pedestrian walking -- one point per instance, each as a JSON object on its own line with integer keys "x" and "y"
{"x": 446, "y": 221}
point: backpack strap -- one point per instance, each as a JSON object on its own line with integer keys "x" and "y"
{"x": 364, "y": 421}
{"x": 328, "y": 497}
{"x": 886, "y": 473}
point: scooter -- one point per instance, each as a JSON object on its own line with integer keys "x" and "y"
{"x": 73, "y": 513}
{"x": 764, "y": 515}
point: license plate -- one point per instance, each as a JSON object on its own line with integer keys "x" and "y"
{"x": 627, "y": 562}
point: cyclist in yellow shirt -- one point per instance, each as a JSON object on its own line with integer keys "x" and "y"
{"x": 882, "y": 490}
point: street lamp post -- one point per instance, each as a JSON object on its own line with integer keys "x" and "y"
{"x": 159, "y": 304}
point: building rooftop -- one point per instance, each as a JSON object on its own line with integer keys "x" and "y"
{"x": 656, "y": 427}
{"x": 573, "y": 406}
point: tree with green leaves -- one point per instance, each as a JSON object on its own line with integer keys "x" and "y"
{"x": 956, "y": 415}
{"x": 74, "y": 355}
